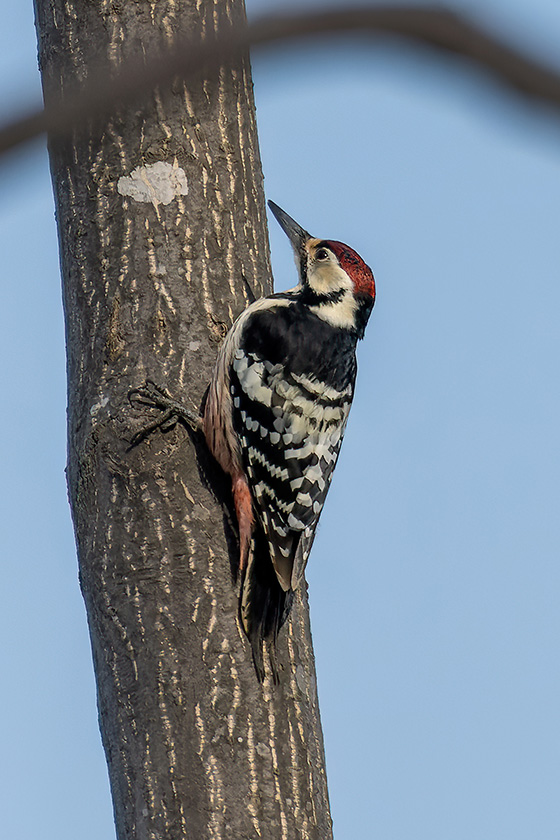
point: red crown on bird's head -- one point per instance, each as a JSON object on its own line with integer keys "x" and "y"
{"x": 354, "y": 266}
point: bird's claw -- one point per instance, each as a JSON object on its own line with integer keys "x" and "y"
{"x": 149, "y": 394}
{"x": 173, "y": 411}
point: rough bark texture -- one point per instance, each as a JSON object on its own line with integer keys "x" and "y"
{"x": 196, "y": 748}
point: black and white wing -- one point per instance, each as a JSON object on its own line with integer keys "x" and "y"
{"x": 290, "y": 425}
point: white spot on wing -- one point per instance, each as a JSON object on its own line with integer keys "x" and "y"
{"x": 276, "y": 472}
{"x": 322, "y": 449}
{"x": 325, "y": 392}
{"x": 293, "y": 522}
{"x": 251, "y": 380}
{"x": 279, "y": 529}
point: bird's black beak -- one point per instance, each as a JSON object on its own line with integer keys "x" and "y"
{"x": 296, "y": 234}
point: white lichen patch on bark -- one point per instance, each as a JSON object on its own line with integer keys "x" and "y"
{"x": 98, "y": 406}
{"x": 156, "y": 183}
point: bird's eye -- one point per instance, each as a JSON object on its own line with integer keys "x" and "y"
{"x": 322, "y": 254}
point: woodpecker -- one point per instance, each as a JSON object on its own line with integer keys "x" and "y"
{"x": 275, "y": 416}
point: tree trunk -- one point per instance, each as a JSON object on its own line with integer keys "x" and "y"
{"x": 161, "y": 217}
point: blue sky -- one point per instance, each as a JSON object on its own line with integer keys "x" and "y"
{"x": 434, "y": 580}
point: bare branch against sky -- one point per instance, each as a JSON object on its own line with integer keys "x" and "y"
{"x": 436, "y": 28}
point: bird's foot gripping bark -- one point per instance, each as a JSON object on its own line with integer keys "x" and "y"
{"x": 172, "y": 411}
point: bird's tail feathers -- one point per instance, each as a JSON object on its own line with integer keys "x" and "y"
{"x": 263, "y": 605}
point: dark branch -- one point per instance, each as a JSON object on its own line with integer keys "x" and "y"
{"x": 433, "y": 27}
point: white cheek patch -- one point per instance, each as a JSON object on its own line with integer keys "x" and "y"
{"x": 340, "y": 313}
{"x": 327, "y": 278}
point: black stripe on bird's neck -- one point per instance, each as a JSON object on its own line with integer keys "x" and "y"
{"x": 310, "y": 297}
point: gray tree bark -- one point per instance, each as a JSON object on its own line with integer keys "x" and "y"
{"x": 161, "y": 217}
